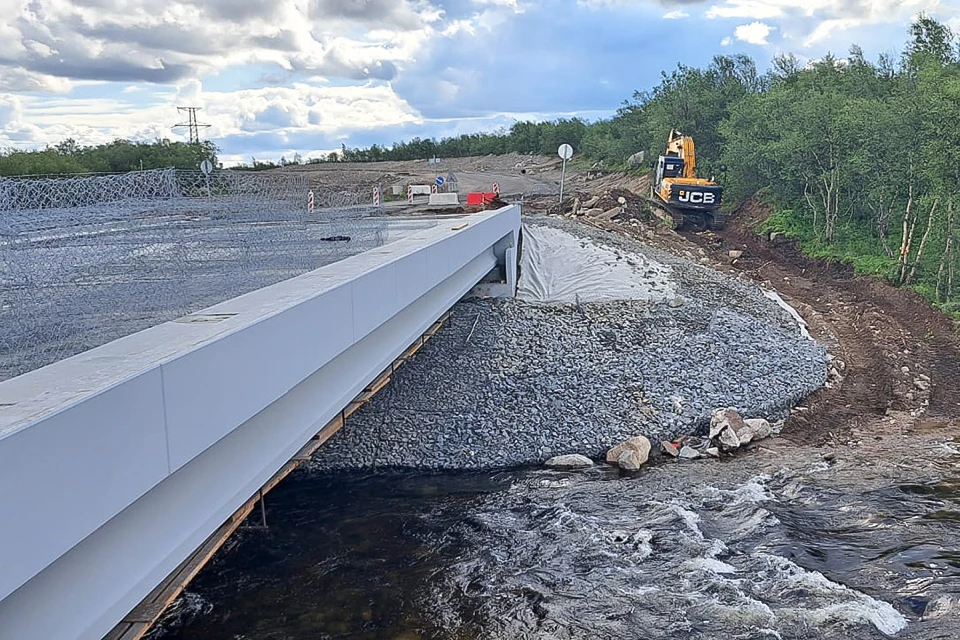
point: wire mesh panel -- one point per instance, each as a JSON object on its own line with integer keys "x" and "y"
{"x": 86, "y": 260}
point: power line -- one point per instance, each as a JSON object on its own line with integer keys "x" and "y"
{"x": 191, "y": 124}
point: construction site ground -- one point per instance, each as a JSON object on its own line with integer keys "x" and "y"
{"x": 515, "y": 174}
{"x": 897, "y": 368}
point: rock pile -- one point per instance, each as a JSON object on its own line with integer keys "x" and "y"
{"x": 728, "y": 432}
{"x": 614, "y": 204}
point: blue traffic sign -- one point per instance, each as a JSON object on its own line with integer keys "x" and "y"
{"x": 439, "y": 181}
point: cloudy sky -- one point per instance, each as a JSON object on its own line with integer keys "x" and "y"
{"x": 278, "y": 76}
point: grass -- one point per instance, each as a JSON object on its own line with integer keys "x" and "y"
{"x": 855, "y": 245}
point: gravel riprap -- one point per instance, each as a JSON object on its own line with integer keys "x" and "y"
{"x": 506, "y": 382}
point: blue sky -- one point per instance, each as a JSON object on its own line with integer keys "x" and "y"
{"x": 276, "y": 77}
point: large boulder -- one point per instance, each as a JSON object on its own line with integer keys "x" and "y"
{"x": 636, "y": 160}
{"x": 640, "y": 444}
{"x": 727, "y": 418}
{"x": 759, "y": 427}
{"x": 630, "y": 460}
{"x": 572, "y": 461}
{"x": 728, "y": 439}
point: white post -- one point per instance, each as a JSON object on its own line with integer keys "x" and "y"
{"x": 563, "y": 174}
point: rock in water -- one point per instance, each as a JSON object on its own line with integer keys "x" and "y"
{"x": 572, "y": 461}
{"x": 629, "y": 460}
{"x": 689, "y": 453}
{"x": 713, "y": 452}
{"x": 759, "y": 427}
{"x": 640, "y": 444}
{"x": 669, "y": 448}
{"x": 729, "y": 440}
{"x": 724, "y": 418}
{"x": 745, "y": 435}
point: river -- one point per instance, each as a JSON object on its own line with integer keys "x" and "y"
{"x": 776, "y": 543}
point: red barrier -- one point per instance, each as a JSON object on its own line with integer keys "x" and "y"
{"x": 476, "y": 199}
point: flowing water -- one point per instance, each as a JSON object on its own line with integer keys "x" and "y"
{"x": 735, "y": 549}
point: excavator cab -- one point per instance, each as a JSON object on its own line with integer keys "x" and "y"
{"x": 669, "y": 167}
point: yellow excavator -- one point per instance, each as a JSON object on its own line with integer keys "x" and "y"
{"x": 688, "y": 199}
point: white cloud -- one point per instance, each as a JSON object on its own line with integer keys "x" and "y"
{"x": 677, "y": 14}
{"x": 301, "y": 109}
{"x": 753, "y": 33}
{"x": 133, "y": 40}
{"x": 825, "y": 29}
{"x": 811, "y": 22}
{"x": 513, "y": 5}
{"x": 756, "y": 9}
{"x": 726, "y": 42}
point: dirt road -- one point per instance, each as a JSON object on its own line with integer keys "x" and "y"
{"x": 515, "y": 174}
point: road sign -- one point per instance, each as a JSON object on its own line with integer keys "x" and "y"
{"x": 439, "y": 181}
{"x": 206, "y": 167}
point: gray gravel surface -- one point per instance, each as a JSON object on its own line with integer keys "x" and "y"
{"x": 506, "y": 382}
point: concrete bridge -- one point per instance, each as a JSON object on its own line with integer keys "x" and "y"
{"x": 119, "y": 462}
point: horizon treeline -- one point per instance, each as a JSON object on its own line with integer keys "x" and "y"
{"x": 118, "y": 156}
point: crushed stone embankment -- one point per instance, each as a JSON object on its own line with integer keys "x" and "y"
{"x": 509, "y": 382}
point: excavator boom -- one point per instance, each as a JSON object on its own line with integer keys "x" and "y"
{"x": 682, "y": 147}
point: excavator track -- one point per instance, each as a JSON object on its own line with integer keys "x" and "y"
{"x": 686, "y": 220}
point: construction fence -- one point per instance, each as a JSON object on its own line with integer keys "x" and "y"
{"x": 85, "y": 260}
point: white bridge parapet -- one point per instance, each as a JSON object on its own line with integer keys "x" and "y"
{"x": 118, "y": 462}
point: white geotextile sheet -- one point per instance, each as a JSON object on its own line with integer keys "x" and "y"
{"x": 559, "y": 267}
{"x": 801, "y": 323}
